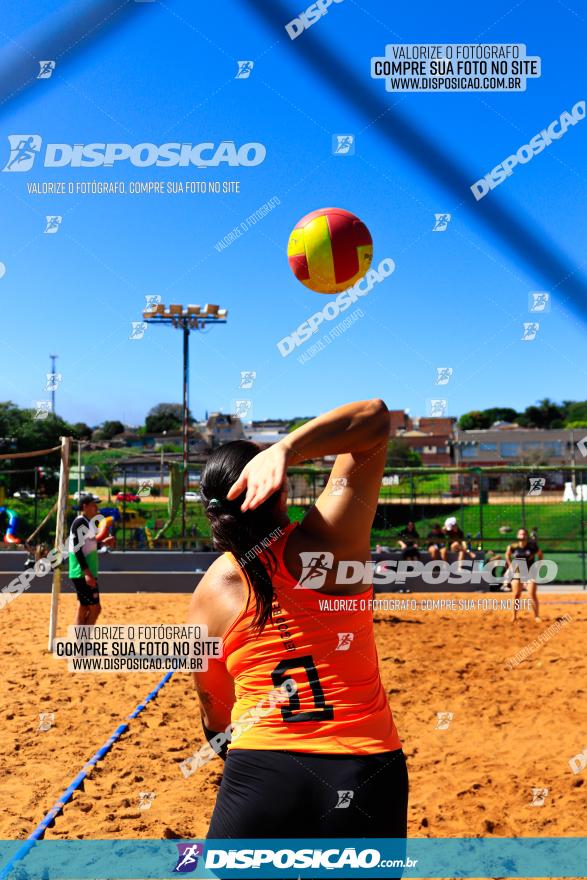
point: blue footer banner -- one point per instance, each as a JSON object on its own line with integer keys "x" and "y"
{"x": 288, "y": 858}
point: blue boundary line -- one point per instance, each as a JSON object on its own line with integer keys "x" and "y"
{"x": 76, "y": 782}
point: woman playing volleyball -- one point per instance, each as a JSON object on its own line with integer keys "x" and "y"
{"x": 327, "y": 760}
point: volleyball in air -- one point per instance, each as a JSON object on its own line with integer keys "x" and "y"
{"x": 329, "y": 250}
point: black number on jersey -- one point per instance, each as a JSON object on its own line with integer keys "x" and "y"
{"x": 291, "y": 712}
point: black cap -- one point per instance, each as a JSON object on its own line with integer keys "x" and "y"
{"x": 86, "y": 499}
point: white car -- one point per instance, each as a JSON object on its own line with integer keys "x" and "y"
{"x": 24, "y": 495}
{"x": 77, "y": 495}
{"x": 193, "y": 496}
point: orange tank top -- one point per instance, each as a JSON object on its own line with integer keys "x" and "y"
{"x": 337, "y": 703}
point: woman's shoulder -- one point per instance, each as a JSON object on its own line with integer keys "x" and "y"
{"x": 219, "y": 596}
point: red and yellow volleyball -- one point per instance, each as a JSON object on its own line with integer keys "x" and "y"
{"x": 329, "y": 250}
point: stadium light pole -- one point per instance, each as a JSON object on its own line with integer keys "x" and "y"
{"x": 185, "y": 319}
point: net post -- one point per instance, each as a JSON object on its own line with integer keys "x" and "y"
{"x": 59, "y": 535}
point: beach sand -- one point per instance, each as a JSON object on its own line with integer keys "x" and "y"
{"x": 512, "y": 730}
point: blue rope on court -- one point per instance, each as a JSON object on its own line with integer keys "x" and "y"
{"x": 75, "y": 783}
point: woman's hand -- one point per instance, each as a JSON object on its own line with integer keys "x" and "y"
{"x": 262, "y": 476}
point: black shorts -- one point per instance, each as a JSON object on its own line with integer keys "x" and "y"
{"x": 86, "y": 595}
{"x": 270, "y": 794}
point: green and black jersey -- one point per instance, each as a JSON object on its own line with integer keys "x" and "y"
{"x": 83, "y": 548}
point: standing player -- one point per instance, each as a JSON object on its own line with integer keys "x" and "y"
{"x": 520, "y": 558}
{"x": 83, "y": 561}
{"x": 284, "y": 774}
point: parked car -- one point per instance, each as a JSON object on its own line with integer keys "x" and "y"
{"x": 77, "y": 495}
{"x": 193, "y": 496}
{"x": 24, "y": 495}
{"x": 127, "y": 496}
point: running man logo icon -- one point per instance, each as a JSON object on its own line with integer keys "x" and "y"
{"x": 441, "y": 222}
{"x": 247, "y": 379}
{"x": 344, "y": 800}
{"x": 539, "y": 301}
{"x": 538, "y": 796}
{"x": 438, "y": 406}
{"x": 314, "y": 569}
{"x": 137, "y": 330}
{"x": 443, "y": 720}
{"x": 53, "y": 224}
{"x": 536, "y": 485}
{"x": 242, "y": 408}
{"x": 443, "y": 375}
{"x": 152, "y": 300}
{"x": 578, "y": 762}
{"x": 46, "y": 720}
{"x": 244, "y": 69}
{"x": 46, "y": 69}
{"x": 187, "y": 860}
{"x": 42, "y": 409}
{"x": 53, "y": 381}
{"x": 146, "y": 799}
{"x": 343, "y": 145}
{"x": 530, "y": 331}
{"x": 23, "y": 151}
{"x": 339, "y": 484}
{"x": 344, "y": 641}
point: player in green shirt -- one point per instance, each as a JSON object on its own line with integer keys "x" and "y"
{"x": 83, "y": 561}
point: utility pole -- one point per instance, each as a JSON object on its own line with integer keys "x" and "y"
{"x": 53, "y": 359}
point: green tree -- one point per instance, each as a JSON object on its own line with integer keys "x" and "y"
{"x": 110, "y": 429}
{"x": 81, "y": 431}
{"x": 546, "y": 414}
{"x": 480, "y": 419}
{"x": 401, "y": 454}
{"x": 575, "y": 411}
{"x": 165, "y": 417}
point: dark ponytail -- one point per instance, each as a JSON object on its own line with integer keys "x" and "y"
{"x": 245, "y": 535}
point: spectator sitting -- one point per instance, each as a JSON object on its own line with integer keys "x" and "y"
{"x": 455, "y": 540}
{"x": 408, "y": 541}
{"x": 435, "y": 541}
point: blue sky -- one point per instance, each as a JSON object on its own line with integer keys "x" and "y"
{"x": 457, "y": 298}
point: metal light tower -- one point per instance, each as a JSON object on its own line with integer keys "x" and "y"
{"x": 53, "y": 359}
{"x": 185, "y": 319}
